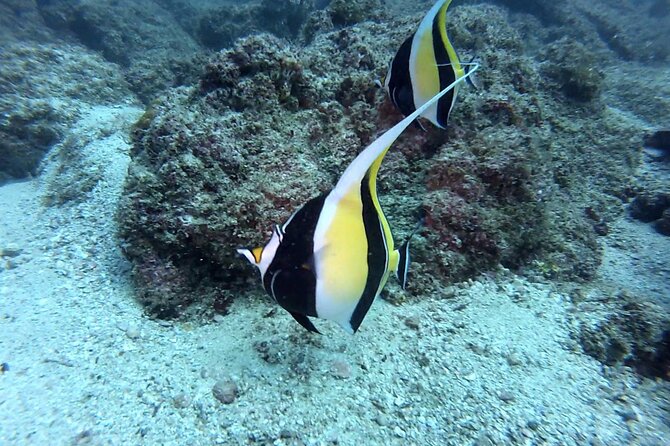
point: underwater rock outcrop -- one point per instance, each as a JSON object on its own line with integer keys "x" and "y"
{"x": 141, "y": 37}
{"x": 632, "y": 333}
{"x": 219, "y": 27}
{"x": 652, "y": 206}
{"x": 629, "y": 29}
{"x": 42, "y": 88}
{"x": 270, "y": 125}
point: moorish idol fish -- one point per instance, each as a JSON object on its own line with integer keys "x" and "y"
{"x": 423, "y": 66}
{"x": 333, "y": 256}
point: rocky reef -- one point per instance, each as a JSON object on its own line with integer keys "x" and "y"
{"x": 42, "y": 89}
{"x": 629, "y": 331}
{"x": 272, "y": 123}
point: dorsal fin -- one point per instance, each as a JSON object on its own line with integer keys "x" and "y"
{"x": 365, "y": 160}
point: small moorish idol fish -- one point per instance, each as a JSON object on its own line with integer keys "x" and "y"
{"x": 333, "y": 256}
{"x": 423, "y": 66}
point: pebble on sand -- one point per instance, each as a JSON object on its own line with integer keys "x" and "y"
{"x": 133, "y": 331}
{"x": 413, "y": 322}
{"x": 225, "y": 391}
{"x": 341, "y": 369}
{"x": 181, "y": 400}
{"x": 11, "y": 250}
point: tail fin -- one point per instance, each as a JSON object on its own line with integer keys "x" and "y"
{"x": 403, "y": 263}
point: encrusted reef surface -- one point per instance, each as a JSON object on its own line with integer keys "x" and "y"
{"x": 529, "y": 174}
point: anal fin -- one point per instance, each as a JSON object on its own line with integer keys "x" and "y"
{"x": 304, "y": 321}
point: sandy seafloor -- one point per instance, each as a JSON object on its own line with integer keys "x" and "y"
{"x": 492, "y": 361}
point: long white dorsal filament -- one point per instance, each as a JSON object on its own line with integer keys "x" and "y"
{"x": 356, "y": 170}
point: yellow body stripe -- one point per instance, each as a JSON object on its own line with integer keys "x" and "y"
{"x": 426, "y": 79}
{"x": 344, "y": 267}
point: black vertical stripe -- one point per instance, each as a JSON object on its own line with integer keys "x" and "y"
{"x": 377, "y": 255}
{"x": 446, "y": 72}
{"x": 290, "y": 279}
{"x": 400, "y": 82}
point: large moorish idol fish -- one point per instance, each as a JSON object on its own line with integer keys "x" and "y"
{"x": 423, "y": 66}
{"x": 333, "y": 256}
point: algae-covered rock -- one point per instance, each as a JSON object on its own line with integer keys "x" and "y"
{"x": 219, "y": 27}
{"x": 652, "y": 206}
{"x": 42, "y": 87}
{"x": 143, "y": 38}
{"x": 270, "y": 125}
{"x": 634, "y": 333}
{"x": 349, "y": 12}
{"x": 26, "y": 134}
{"x": 213, "y": 170}
{"x": 574, "y": 70}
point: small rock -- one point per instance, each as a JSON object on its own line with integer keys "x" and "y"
{"x": 181, "y": 401}
{"x": 83, "y": 437}
{"x": 225, "y": 391}
{"x": 267, "y": 352}
{"x": 11, "y": 250}
{"x": 630, "y": 414}
{"x": 449, "y": 292}
{"x": 341, "y": 369}
{"x": 133, "y": 331}
{"x": 513, "y": 359}
{"x": 601, "y": 228}
{"x": 285, "y": 433}
{"x": 533, "y": 424}
{"x": 662, "y": 225}
{"x": 506, "y": 396}
{"x": 4, "y": 367}
{"x": 382, "y": 420}
{"x": 413, "y": 322}
{"x": 218, "y": 318}
{"x": 399, "y": 432}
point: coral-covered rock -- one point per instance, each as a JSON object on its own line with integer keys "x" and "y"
{"x": 214, "y": 171}
{"x": 349, "y": 12}
{"x": 218, "y": 28}
{"x": 662, "y": 225}
{"x": 42, "y": 87}
{"x": 574, "y": 70}
{"x": 649, "y": 205}
{"x": 634, "y": 333}
{"x": 270, "y": 125}
{"x": 143, "y": 38}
